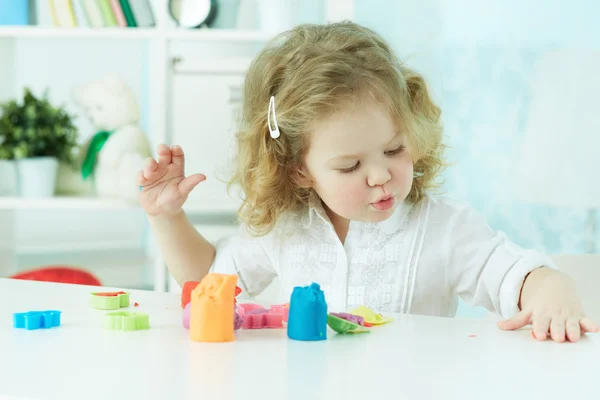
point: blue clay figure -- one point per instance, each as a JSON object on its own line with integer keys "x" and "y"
{"x": 308, "y": 314}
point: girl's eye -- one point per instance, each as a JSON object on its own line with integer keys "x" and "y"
{"x": 395, "y": 151}
{"x": 348, "y": 170}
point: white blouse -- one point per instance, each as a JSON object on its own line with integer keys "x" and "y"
{"x": 417, "y": 261}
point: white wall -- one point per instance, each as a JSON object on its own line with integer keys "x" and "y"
{"x": 521, "y": 22}
{"x": 7, "y": 69}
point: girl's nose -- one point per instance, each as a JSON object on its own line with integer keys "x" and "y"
{"x": 379, "y": 176}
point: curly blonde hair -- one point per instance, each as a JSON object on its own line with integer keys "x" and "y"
{"x": 311, "y": 70}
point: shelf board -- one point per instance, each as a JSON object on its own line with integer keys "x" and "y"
{"x": 234, "y": 35}
{"x": 74, "y": 247}
{"x": 53, "y": 203}
{"x": 95, "y": 203}
{"x": 35, "y": 32}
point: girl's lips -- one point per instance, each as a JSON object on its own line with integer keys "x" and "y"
{"x": 384, "y": 204}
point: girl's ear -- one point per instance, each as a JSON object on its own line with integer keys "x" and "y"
{"x": 302, "y": 178}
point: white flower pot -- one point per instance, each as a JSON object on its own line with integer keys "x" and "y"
{"x": 37, "y": 176}
{"x": 8, "y": 178}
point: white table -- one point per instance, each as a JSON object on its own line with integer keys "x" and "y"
{"x": 414, "y": 357}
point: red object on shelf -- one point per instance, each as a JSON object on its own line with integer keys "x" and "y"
{"x": 59, "y": 274}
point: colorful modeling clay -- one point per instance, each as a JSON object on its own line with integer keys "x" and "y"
{"x": 186, "y": 292}
{"x": 255, "y": 316}
{"x": 212, "y": 310}
{"x": 186, "y": 315}
{"x": 284, "y": 309}
{"x": 308, "y": 314}
{"x": 356, "y": 319}
{"x": 248, "y": 307}
{"x": 109, "y": 300}
{"x": 126, "y": 321}
{"x": 370, "y": 316}
{"x": 341, "y": 325}
{"x": 37, "y": 319}
{"x": 237, "y": 318}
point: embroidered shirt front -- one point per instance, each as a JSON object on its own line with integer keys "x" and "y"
{"x": 419, "y": 260}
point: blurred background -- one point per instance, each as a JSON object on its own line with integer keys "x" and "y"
{"x": 517, "y": 81}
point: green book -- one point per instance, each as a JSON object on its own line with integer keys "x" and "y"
{"x": 144, "y": 17}
{"x": 128, "y": 12}
{"x": 107, "y": 13}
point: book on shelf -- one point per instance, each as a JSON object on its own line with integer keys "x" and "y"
{"x": 14, "y": 12}
{"x": 107, "y": 13}
{"x": 128, "y": 12}
{"x": 118, "y": 11}
{"x": 63, "y": 14}
{"x": 40, "y": 13}
{"x": 89, "y": 13}
{"x": 143, "y": 13}
{"x": 80, "y": 14}
{"x": 93, "y": 13}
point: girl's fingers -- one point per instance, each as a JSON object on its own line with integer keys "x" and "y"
{"x": 588, "y": 326}
{"x": 178, "y": 157}
{"x": 541, "y": 325}
{"x": 573, "y": 329}
{"x": 518, "y": 321}
{"x": 557, "y": 329}
{"x": 150, "y": 166}
{"x": 189, "y": 183}
{"x": 164, "y": 155}
{"x": 140, "y": 180}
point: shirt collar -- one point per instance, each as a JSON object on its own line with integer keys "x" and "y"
{"x": 391, "y": 225}
{"x": 315, "y": 210}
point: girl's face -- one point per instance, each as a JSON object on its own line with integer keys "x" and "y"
{"x": 359, "y": 164}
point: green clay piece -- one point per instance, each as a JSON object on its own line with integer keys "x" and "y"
{"x": 341, "y": 325}
{"x": 126, "y": 321}
{"x": 100, "y": 301}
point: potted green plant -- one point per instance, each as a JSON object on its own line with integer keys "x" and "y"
{"x": 37, "y": 136}
{"x": 8, "y": 171}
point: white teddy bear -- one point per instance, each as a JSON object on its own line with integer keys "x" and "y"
{"x": 115, "y": 153}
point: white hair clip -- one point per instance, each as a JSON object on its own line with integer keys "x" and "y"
{"x": 274, "y": 131}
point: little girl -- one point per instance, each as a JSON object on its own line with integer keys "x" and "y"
{"x": 338, "y": 155}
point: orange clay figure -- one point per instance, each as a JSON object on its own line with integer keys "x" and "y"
{"x": 211, "y": 315}
{"x": 186, "y": 292}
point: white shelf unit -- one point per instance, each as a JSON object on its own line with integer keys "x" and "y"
{"x": 58, "y": 58}
{"x": 63, "y": 203}
{"x": 33, "y": 32}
